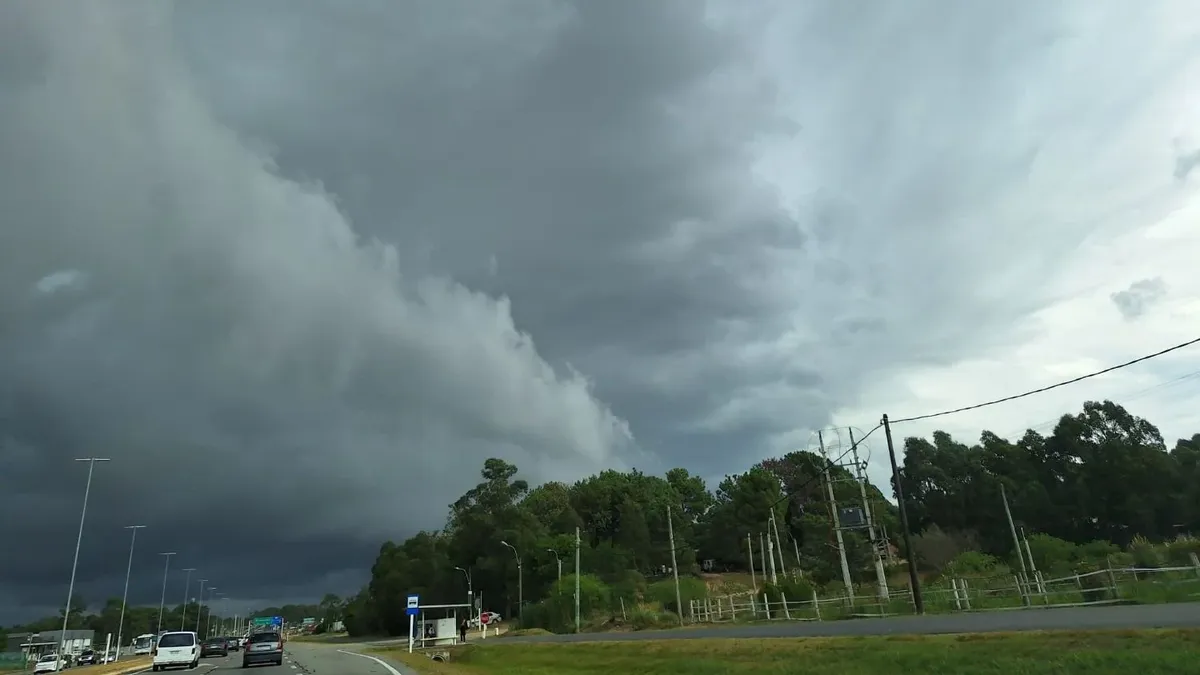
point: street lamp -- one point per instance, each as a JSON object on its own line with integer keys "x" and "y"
{"x": 470, "y": 592}
{"x": 161, "y": 602}
{"x": 520, "y": 577}
{"x": 200, "y": 605}
{"x": 559, "y": 560}
{"x": 208, "y": 622}
{"x": 125, "y": 597}
{"x": 187, "y": 582}
{"x": 62, "y": 649}
{"x": 200, "y": 609}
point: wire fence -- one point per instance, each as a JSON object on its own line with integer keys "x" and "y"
{"x": 1127, "y": 585}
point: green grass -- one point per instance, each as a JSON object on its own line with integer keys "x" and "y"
{"x": 1150, "y": 652}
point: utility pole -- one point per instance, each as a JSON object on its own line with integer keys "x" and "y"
{"x": 837, "y": 524}
{"x": 1017, "y": 544}
{"x": 876, "y": 554}
{"x": 913, "y": 578}
{"x": 577, "y": 547}
{"x": 778, "y": 543}
{"x": 125, "y": 596}
{"x": 674, "y": 567}
{"x": 771, "y": 556}
{"x": 762, "y": 556}
{"x": 750, "y": 550}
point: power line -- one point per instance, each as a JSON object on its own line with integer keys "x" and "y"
{"x": 1064, "y": 383}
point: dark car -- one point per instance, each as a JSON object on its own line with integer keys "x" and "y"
{"x": 234, "y": 643}
{"x": 264, "y": 647}
{"x": 214, "y": 647}
{"x": 87, "y": 657}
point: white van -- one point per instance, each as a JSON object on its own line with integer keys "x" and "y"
{"x": 176, "y": 649}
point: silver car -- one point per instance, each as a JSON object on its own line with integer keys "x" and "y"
{"x": 265, "y": 647}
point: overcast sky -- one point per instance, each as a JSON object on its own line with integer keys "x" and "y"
{"x": 304, "y": 265}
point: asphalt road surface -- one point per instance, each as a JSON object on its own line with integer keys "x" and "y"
{"x": 1182, "y": 615}
{"x": 304, "y": 659}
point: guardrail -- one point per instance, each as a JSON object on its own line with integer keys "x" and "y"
{"x": 1143, "y": 585}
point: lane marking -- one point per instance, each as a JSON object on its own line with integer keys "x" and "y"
{"x": 381, "y": 662}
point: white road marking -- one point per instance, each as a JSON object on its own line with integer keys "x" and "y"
{"x": 381, "y": 662}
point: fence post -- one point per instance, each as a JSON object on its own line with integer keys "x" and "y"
{"x": 692, "y": 609}
{"x": 767, "y": 605}
{"x": 957, "y": 600}
{"x": 816, "y": 604}
{"x": 732, "y": 609}
{"x": 1112, "y": 578}
{"x": 1041, "y": 583}
{"x": 1195, "y": 562}
{"x": 786, "y": 614}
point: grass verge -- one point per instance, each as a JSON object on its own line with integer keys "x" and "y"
{"x": 1145, "y": 652}
{"x": 126, "y": 665}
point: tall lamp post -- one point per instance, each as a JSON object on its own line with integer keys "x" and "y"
{"x": 162, "y": 602}
{"x": 520, "y": 578}
{"x": 125, "y": 597}
{"x": 558, "y": 560}
{"x": 200, "y": 610}
{"x": 87, "y": 490}
{"x": 187, "y": 583}
{"x": 200, "y": 605}
{"x": 470, "y": 590}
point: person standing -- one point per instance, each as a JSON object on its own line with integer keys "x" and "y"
{"x": 462, "y": 631}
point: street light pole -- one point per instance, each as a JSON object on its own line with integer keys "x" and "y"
{"x": 125, "y": 597}
{"x": 470, "y": 590}
{"x": 163, "y": 601}
{"x": 187, "y": 582}
{"x": 200, "y": 605}
{"x": 520, "y": 578}
{"x": 558, "y": 560}
{"x": 208, "y": 622}
{"x": 199, "y": 611}
{"x": 87, "y": 490}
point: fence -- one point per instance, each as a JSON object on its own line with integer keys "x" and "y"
{"x": 1144, "y": 585}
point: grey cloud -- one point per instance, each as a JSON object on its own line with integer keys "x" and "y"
{"x": 1141, "y": 295}
{"x": 284, "y": 215}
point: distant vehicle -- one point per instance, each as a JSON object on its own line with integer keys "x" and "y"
{"x": 176, "y": 649}
{"x": 49, "y": 663}
{"x": 143, "y": 644}
{"x": 111, "y": 656}
{"x": 235, "y": 643}
{"x": 87, "y": 657}
{"x": 217, "y": 646}
{"x": 264, "y": 647}
{"x": 492, "y": 618}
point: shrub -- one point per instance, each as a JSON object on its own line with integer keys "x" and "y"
{"x": 663, "y": 592}
{"x": 973, "y": 563}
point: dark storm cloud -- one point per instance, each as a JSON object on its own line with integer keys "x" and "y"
{"x": 311, "y": 262}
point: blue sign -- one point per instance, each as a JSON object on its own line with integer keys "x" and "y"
{"x": 414, "y": 605}
{"x": 277, "y": 621}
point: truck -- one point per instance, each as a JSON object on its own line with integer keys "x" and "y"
{"x": 144, "y": 644}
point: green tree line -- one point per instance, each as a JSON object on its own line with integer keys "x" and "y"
{"x": 1103, "y": 475}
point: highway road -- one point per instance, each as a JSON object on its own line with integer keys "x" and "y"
{"x": 306, "y": 659}
{"x": 350, "y": 657}
{"x": 1183, "y": 615}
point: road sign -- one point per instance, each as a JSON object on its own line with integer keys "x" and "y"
{"x": 485, "y": 618}
{"x": 414, "y": 605}
{"x": 267, "y": 621}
